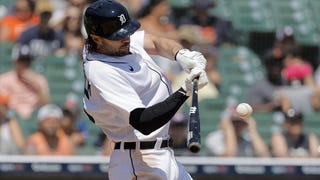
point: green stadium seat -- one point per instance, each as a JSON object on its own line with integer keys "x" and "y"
{"x": 264, "y": 122}
{"x": 65, "y": 77}
{"x": 251, "y": 15}
{"x": 221, "y": 9}
{"x": 6, "y": 60}
{"x": 312, "y": 123}
{"x": 180, "y": 3}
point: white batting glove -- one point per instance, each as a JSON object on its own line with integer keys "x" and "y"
{"x": 190, "y": 59}
{"x": 195, "y": 73}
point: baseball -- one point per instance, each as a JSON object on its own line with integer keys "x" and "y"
{"x": 244, "y": 110}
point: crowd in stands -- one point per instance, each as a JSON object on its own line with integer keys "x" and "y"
{"x": 39, "y": 29}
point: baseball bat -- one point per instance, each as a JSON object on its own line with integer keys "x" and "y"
{"x": 194, "y": 143}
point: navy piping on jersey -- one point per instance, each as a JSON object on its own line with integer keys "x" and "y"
{"x": 168, "y": 89}
{"x": 131, "y": 160}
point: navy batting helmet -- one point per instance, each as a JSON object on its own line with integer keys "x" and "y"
{"x": 110, "y": 20}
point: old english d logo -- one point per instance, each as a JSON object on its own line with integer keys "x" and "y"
{"x": 122, "y": 19}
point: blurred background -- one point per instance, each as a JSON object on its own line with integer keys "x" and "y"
{"x": 262, "y": 52}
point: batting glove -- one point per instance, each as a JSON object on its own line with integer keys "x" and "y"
{"x": 190, "y": 59}
{"x": 195, "y": 73}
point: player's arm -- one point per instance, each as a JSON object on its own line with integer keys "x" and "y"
{"x": 173, "y": 50}
{"x": 161, "y": 46}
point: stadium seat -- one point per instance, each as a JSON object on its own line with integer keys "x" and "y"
{"x": 251, "y": 15}
{"x": 312, "y": 122}
{"x": 5, "y": 60}
{"x": 264, "y": 122}
{"x": 180, "y": 3}
{"x": 221, "y": 9}
{"x": 65, "y": 78}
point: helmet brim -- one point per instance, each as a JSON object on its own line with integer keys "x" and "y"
{"x": 128, "y": 29}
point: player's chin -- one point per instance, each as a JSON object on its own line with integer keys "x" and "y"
{"x": 123, "y": 51}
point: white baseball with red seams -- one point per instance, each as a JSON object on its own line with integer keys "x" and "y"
{"x": 244, "y": 110}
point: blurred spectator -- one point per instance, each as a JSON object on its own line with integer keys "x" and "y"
{"x": 296, "y": 68}
{"x": 212, "y": 67}
{"x": 301, "y": 97}
{"x": 214, "y": 28}
{"x": 300, "y": 88}
{"x": 317, "y": 76}
{"x": 58, "y": 11}
{"x": 108, "y": 147}
{"x": 294, "y": 64}
{"x": 27, "y": 89}
{"x": 133, "y": 6}
{"x": 236, "y": 137}
{"x": 285, "y": 39}
{"x": 104, "y": 144}
{"x": 293, "y": 141}
{"x": 81, "y": 4}
{"x": 71, "y": 27}
{"x": 73, "y": 125}
{"x": 49, "y": 139}
{"x": 154, "y": 17}
{"x": 3, "y": 10}
{"x": 11, "y": 136}
{"x": 263, "y": 95}
{"x": 191, "y": 36}
{"x": 179, "y": 131}
{"x": 22, "y": 17}
{"x": 42, "y": 39}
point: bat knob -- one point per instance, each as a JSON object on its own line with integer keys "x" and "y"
{"x": 194, "y": 147}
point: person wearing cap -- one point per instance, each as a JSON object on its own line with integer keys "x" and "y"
{"x": 43, "y": 39}
{"x": 12, "y": 141}
{"x": 128, "y": 95}
{"x": 236, "y": 137}
{"x": 73, "y": 125}
{"x": 293, "y": 141}
{"x": 28, "y": 90}
{"x": 49, "y": 138}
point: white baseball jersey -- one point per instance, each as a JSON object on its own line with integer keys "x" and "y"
{"x": 118, "y": 85}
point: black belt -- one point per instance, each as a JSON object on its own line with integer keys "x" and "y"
{"x": 143, "y": 144}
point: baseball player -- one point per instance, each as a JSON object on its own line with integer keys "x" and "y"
{"x": 128, "y": 96}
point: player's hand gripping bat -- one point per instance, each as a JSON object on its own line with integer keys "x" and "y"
{"x": 194, "y": 143}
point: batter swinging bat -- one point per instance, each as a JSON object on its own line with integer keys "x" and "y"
{"x": 194, "y": 143}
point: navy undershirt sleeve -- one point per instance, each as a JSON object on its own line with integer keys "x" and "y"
{"x": 147, "y": 120}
